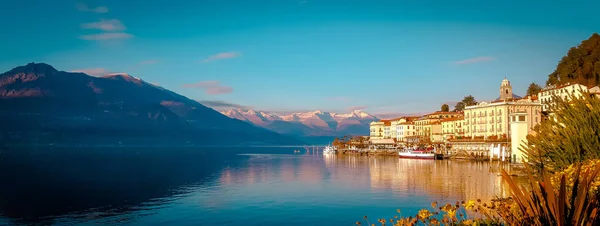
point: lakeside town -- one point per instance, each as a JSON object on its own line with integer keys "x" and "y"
{"x": 485, "y": 130}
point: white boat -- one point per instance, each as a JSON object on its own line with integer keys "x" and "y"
{"x": 329, "y": 150}
{"x": 416, "y": 154}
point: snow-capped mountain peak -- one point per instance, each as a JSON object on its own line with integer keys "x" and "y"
{"x": 253, "y": 116}
{"x": 319, "y": 122}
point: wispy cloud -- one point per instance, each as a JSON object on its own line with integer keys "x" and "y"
{"x": 106, "y": 36}
{"x": 212, "y": 87}
{"x": 354, "y": 108}
{"x": 93, "y": 71}
{"x": 86, "y": 8}
{"x": 105, "y": 25}
{"x": 220, "y": 104}
{"x": 474, "y": 60}
{"x": 222, "y": 56}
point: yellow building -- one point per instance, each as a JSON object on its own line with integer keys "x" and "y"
{"x": 491, "y": 119}
{"x": 444, "y": 115}
{"x": 420, "y": 123}
{"x": 394, "y": 128}
{"x": 433, "y": 132}
{"x": 387, "y": 128}
{"x": 452, "y": 127}
{"x": 562, "y": 91}
{"x": 376, "y": 130}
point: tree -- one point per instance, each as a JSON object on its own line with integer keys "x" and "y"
{"x": 533, "y": 89}
{"x": 445, "y": 108}
{"x": 569, "y": 136}
{"x": 466, "y": 101}
{"x": 580, "y": 65}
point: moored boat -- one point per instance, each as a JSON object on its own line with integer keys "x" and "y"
{"x": 416, "y": 154}
{"x": 329, "y": 150}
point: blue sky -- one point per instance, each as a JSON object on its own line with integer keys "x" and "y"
{"x": 286, "y": 55}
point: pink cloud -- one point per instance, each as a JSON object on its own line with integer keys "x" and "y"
{"x": 86, "y": 8}
{"x": 105, "y": 25}
{"x": 97, "y": 72}
{"x": 474, "y": 60}
{"x": 221, "y": 56}
{"x": 106, "y": 36}
{"x": 212, "y": 87}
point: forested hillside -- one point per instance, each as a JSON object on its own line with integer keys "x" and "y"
{"x": 581, "y": 64}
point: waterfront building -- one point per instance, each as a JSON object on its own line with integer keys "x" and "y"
{"x": 561, "y": 91}
{"x": 423, "y": 125}
{"x": 452, "y": 127}
{"x": 488, "y": 123}
{"x": 444, "y": 115}
{"x": 487, "y": 120}
{"x": 385, "y": 143}
{"x": 405, "y": 129}
{"x": 388, "y": 128}
{"x": 491, "y": 119}
{"x": 376, "y": 130}
{"x": 419, "y": 123}
{"x": 519, "y": 128}
{"x": 433, "y": 131}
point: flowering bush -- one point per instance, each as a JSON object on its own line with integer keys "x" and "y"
{"x": 541, "y": 204}
{"x": 569, "y": 172}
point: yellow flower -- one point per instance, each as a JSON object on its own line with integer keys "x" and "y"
{"x": 469, "y": 205}
{"x": 423, "y": 214}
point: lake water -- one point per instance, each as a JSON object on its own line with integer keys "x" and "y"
{"x": 234, "y": 186}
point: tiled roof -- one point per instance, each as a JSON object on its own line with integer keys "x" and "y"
{"x": 445, "y": 113}
{"x": 560, "y": 86}
{"x": 452, "y": 119}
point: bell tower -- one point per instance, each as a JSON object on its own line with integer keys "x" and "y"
{"x": 506, "y": 90}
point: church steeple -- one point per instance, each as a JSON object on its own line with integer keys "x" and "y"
{"x": 505, "y": 90}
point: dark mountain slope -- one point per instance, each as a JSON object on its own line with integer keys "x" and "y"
{"x": 39, "y": 103}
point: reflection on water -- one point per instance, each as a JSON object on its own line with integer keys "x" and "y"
{"x": 228, "y": 187}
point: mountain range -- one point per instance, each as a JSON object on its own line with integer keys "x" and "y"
{"x": 314, "y": 123}
{"x": 39, "y": 104}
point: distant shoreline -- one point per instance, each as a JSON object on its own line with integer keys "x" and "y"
{"x": 149, "y": 146}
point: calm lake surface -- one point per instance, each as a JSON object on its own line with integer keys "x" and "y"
{"x": 233, "y": 186}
